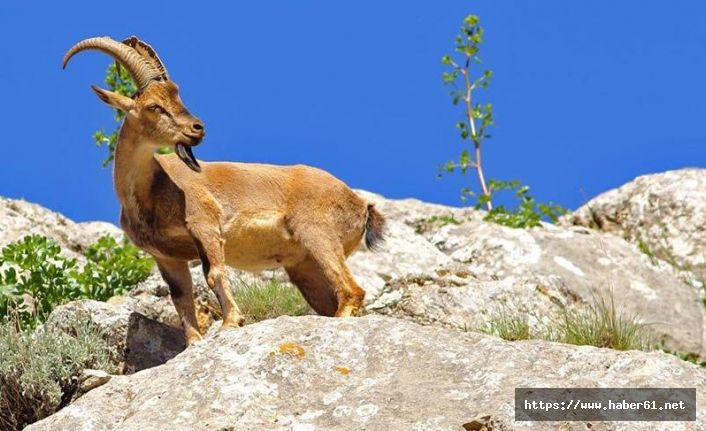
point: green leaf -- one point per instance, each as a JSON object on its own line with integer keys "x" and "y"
{"x": 449, "y": 77}
{"x": 471, "y": 20}
{"x": 464, "y": 160}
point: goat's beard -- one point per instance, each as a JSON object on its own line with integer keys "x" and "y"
{"x": 187, "y": 156}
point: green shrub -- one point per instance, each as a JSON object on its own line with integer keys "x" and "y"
{"x": 117, "y": 80}
{"x": 477, "y": 118}
{"x": 261, "y": 301}
{"x": 112, "y": 269}
{"x": 528, "y": 212}
{"x": 35, "y": 277}
{"x": 38, "y": 372}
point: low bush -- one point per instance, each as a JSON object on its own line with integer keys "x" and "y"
{"x": 35, "y": 277}
{"x": 527, "y": 213}
{"x": 112, "y": 269}
{"x": 39, "y": 371}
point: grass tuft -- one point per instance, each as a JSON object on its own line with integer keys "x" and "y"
{"x": 267, "y": 300}
{"x": 508, "y": 326}
{"x": 600, "y": 324}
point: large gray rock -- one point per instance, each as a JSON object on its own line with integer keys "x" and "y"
{"x": 541, "y": 271}
{"x": 665, "y": 214}
{"x": 373, "y": 373}
{"x": 19, "y": 218}
{"x": 414, "y": 212}
{"x": 135, "y": 341}
{"x": 460, "y": 301}
{"x": 404, "y": 251}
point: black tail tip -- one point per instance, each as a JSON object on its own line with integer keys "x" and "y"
{"x": 374, "y": 229}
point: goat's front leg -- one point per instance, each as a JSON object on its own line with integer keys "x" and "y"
{"x": 177, "y": 276}
{"x": 211, "y": 252}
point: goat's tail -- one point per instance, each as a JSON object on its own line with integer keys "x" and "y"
{"x": 374, "y": 229}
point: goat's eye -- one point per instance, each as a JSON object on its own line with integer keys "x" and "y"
{"x": 155, "y": 108}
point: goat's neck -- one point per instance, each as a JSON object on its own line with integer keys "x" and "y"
{"x": 134, "y": 170}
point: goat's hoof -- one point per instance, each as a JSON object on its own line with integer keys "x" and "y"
{"x": 191, "y": 339}
{"x": 233, "y": 323}
{"x": 350, "y": 311}
{"x": 359, "y": 312}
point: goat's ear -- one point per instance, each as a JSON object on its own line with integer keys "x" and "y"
{"x": 115, "y": 100}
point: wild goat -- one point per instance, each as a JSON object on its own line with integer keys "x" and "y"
{"x": 249, "y": 216}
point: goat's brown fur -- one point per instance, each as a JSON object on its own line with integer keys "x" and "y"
{"x": 249, "y": 216}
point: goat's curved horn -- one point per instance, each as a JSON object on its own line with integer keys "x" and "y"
{"x": 148, "y": 53}
{"x": 142, "y": 71}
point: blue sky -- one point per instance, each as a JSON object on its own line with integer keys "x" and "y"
{"x": 587, "y": 95}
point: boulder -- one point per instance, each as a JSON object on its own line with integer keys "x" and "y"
{"x": 404, "y": 251}
{"x": 19, "y": 218}
{"x": 374, "y": 373}
{"x": 664, "y": 214}
{"x": 135, "y": 341}
{"x": 541, "y": 271}
{"x": 90, "y": 379}
{"x": 416, "y": 213}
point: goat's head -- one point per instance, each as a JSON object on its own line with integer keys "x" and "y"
{"x": 156, "y": 110}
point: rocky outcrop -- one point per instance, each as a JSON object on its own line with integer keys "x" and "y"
{"x": 539, "y": 272}
{"x": 415, "y": 362}
{"x": 444, "y": 265}
{"x": 136, "y": 342}
{"x": 664, "y": 214}
{"x": 404, "y": 251}
{"x": 19, "y": 218}
{"x": 373, "y": 373}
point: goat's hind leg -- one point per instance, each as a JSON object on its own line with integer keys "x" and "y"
{"x": 314, "y": 286}
{"x": 350, "y": 294}
{"x": 177, "y": 276}
{"x": 210, "y": 248}
{"x": 326, "y": 282}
